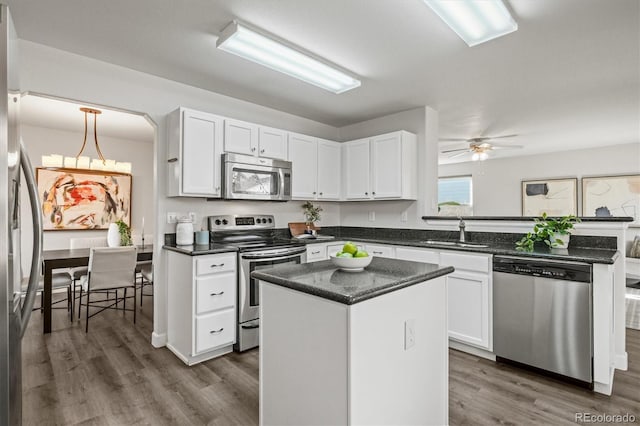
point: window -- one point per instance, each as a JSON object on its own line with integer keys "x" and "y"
{"x": 455, "y": 196}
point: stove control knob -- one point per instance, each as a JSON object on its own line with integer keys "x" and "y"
{"x": 270, "y": 220}
{"x": 225, "y": 221}
{"x": 261, "y": 221}
{"x": 218, "y": 222}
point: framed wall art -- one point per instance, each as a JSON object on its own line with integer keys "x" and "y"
{"x": 606, "y": 196}
{"x": 77, "y": 199}
{"x": 556, "y": 197}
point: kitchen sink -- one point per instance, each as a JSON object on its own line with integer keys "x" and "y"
{"x": 454, "y": 243}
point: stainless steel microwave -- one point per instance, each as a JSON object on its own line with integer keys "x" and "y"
{"x": 253, "y": 178}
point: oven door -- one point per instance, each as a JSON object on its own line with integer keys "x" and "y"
{"x": 248, "y": 290}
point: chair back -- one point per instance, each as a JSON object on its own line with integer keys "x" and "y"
{"x": 78, "y": 243}
{"x": 112, "y": 267}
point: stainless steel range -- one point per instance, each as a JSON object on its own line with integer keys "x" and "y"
{"x": 258, "y": 249}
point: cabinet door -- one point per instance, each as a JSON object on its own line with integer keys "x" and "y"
{"x": 468, "y": 303}
{"x": 329, "y": 170}
{"x": 356, "y": 170}
{"x": 386, "y": 164}
{"x": 240, "y": 137}
{"x": 272, "y": 143}
{"x": 303, "y": 154}
{"x": 201, "y": 149}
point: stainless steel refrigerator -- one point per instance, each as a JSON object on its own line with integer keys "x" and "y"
{"x": 15, "y": 307}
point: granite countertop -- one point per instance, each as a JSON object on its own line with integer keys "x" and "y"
{"x": 325, "y": 280}
{"x": 575, "y": 254}
{"x": 197, "y": 249}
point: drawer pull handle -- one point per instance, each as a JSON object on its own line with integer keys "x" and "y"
{"x": 217, "y": 294}
{"x": 216, "y": 331}
{"x": 315, "y": 252}
{"x": 172, "y": 160}
{"x": 377, "y": 252}
{"x": 217, "y": 266}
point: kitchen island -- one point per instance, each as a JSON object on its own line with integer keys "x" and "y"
{"x": 366, "y": 347}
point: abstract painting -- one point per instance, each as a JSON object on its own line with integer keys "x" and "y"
{"x": 606, "y": 196}
{"x": 556, "y": 197}
{"x": 75, "y": 199}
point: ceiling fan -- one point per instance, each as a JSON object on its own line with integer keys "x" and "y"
{"x": 478, "y": 147}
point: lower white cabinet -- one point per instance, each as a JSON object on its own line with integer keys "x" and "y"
{"x": 201, "y": 305}
{"x": 469, "y": 298}
{"x": 316, "y": 252}
{"x": 418, "y": 254}
{"x": 379, "y": 250}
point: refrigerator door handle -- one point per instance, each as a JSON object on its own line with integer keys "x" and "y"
{"x": 36, "y": 259}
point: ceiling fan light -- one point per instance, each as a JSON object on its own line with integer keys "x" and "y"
{"x": 259, "y": 48}
{"x": 475, "y": 21}
{"x": 475, "y": 156}
{"x": 483, "y": 156}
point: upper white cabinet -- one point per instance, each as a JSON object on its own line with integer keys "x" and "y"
{"x": 315, "y": 168}
{"x": 272, "y": 143}
{"x": 356, "y": 170}
{"x": 194, "y": 149}
{"x": 240, "y": 137}
{"x": 381, "y": 167}
{"x": 246, "y": 138}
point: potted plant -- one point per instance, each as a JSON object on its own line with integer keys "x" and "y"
{"x": 125, "y": 233}
{"x": 311, "y": 214}
{"x": 555, "y": 233}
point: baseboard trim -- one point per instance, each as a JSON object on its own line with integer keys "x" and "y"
{"x": 482, "y": 353}
{"x": 622, "y": 362}
{"x": 158, "y": 340}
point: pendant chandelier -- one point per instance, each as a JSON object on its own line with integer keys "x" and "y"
{"x": 84, "y": 162}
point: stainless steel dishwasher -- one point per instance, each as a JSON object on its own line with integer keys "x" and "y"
{"x": 542, "y": 315}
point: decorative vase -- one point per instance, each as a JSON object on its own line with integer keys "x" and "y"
{"x": 113, "y": 235}
{"x": 562, "y": 237}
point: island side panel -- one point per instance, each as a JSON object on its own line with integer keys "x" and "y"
{"x": 303, "y": 358}
{"x": 391, "y": 385}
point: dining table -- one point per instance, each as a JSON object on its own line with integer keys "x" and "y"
{"x": 71, "y": 258}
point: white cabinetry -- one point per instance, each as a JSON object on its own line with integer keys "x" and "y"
{"x": 382, "y": 167}
{"x": 316, "y": 252}
{"x": 418, "y": 254}
{"x": 193, "y": 154}
{"x": 240, "y": 137}
{"x": 469, "y": 295}
{"x": 201, "y": 305}
{"x": 316, "y": 168}
{"x": 246, "y": 138}
{"x": 379, "y": 250}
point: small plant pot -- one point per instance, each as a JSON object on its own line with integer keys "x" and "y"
{"x": 562, "y": 237}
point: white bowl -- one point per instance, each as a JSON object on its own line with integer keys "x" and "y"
{"x": 351, "y": 264}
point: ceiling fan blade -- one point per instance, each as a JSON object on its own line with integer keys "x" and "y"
{"x": 506, "y": 146}
{"x": 500, "y": 137}
{"x": 460, "y": 154}
{"x": 454, "y": 150}
{"x": 453, "y": 140}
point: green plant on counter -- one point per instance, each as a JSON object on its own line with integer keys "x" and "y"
{"x": 545, "y": 229}
{"x": 311, "y": 212}
{"x": 125, "y": 233}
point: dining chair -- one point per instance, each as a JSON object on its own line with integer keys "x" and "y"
{"x": 59, "y": 281}
{"x": 110, "y": 269}
{"x": 145, "y": 271}
{"x": 77, "y": 272}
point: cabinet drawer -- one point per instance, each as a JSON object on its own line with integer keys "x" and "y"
{"x": 381, "y": 251}
{"x": 215, "y": 292}
{"x": 417, "y": 255}
{"x": 215, "y": 264}
{"x": 316, "y": 252}
{"x": 469, "y": 262}
{"x": 213, "y": 330}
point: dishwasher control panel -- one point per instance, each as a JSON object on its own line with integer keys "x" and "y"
{"x": 568, "y": 271}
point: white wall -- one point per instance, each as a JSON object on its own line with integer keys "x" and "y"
{"x": 43, "y": 141}
{"x": 423, "y": 122}
{"x": 497, "y": 182}
{"x": 54, "y": 72}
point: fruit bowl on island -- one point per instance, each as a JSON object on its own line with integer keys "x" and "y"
{"x": 350, "y": 259}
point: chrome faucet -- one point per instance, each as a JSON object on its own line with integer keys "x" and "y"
{"x": 461, "y": 227}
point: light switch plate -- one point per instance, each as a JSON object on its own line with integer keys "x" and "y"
{"x": 172, "y": 217}
{"x": 409, "y": 334}
{"x": 372, "y": 216}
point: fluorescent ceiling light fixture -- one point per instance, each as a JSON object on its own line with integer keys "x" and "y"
{"x": 265, "y": 50}
{"x": 475, "y": 21}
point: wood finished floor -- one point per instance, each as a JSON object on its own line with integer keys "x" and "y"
{"x": 113, "y": 376}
